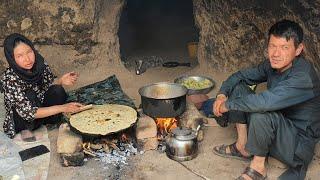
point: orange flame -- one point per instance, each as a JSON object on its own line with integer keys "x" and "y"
{"x": 165, "y": 125}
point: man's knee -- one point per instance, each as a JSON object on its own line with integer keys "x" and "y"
{"x": 240, "y": 90}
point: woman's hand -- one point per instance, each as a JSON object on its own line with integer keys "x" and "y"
{"x": 218, "y": 110}
{"x": 68, "y": 79}
{"x": 71, "y": 107}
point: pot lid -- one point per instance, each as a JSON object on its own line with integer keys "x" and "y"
{"x": 183, "y": 133}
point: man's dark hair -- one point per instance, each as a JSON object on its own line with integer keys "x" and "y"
{"x": 287, "y": 29}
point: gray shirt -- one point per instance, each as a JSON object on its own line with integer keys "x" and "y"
{"x": 294, "y": 92}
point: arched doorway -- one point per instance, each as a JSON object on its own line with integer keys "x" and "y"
{"x": 156, "y": 31}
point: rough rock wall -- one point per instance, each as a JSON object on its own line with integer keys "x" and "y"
{"x": 233, "y": 33}
{"x": 109, "y": 12}
{"x": 76, "y": 28}
{"x": 47, "y": 22}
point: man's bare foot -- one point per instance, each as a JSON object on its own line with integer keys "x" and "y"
{"x": 240, "y": 149}
{"x": 256, "y": 169}
{"x": 261, "y": 171}
{"x": 231, "y": 151}
{"x": 27, "y": 135}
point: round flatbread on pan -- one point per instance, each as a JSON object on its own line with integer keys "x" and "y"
{"x": 104, "y": 119}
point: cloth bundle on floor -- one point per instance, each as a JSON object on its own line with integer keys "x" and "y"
{"x": 107, "y": 91}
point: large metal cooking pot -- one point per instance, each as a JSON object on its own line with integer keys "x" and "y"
{"x": 163, "y": 100}
{"x": 182, "y": 144}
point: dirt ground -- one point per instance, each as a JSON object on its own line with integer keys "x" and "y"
{"x": 153, "y": 164}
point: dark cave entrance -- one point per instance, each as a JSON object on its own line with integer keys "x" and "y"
{"x": 157, "y": 31}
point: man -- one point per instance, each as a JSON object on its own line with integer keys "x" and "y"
{"x": 282, "y": 121}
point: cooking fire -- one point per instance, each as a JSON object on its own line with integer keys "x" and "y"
{"x": 166, "y": 125}
{"x": 111, "y": 150}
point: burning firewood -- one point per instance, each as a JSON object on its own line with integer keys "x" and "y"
{"x": 96, "y": 146}
{"x": 75, "y": 159}
{"x": 106, "y": 148}
{"x": 110, "y": 144}
{"x": 89, "y": 152}
{"x": 124, "y": 138}
{"x": 165, "y": 125}
{"x": 87, "y": 149}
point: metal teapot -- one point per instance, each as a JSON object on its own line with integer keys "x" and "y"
{"x": 182, "y": 144}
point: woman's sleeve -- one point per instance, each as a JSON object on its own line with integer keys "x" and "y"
{"x": 48, "y": 75}
{"x": 17, "y": 98}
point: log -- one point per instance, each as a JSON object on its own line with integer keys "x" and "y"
{"x": 75, "y": 159}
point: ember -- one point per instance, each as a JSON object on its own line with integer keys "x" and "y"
{"x": 117, "y": 157}
{"x": 124, "y": 138}
{"x": 165, "y": 125}
{"x": 110, "y": 152}
{"x": 113, "y": 149}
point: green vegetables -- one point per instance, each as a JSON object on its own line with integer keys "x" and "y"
{"x": 196, "y": 84}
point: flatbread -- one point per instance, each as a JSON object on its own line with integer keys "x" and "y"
{"x": 104, "y": 119}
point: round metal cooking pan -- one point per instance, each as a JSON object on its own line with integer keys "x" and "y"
{"x": 88, "y": 136}
{"x": 206, "y": 90}
{"x": 163, "y": 100}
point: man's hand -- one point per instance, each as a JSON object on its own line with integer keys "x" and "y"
{"x": 223, "y": 108}
{"x": 68, "y": 79}
{"x": 220, "y": 100}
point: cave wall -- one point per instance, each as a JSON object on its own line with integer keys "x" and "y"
{"x": 48, "y": 22}
{"x": 83, "y": 33}
{"x": 69, "y": 33}
{"x": 233, "y": 33}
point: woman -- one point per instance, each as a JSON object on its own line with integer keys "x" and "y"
{"x": 31, "y": 95}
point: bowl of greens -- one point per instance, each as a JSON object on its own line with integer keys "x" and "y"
{"x": 196, "y": 84}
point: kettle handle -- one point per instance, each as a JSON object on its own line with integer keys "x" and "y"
{"x": 197, "y": 130}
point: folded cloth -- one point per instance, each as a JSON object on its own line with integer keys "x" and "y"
{"x": 107, "y": 91}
